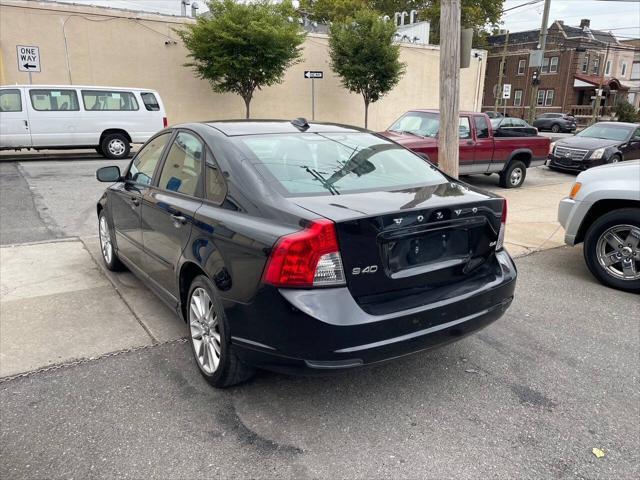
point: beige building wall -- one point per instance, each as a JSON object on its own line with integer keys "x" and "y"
{"x": 128, "y": 49}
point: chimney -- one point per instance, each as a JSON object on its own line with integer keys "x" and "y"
{"x": 585, "y": 23}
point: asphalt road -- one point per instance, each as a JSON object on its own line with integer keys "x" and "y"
{"x": 528, "y": 397}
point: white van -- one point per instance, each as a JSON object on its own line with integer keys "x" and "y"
{"x": 108, "y": 119}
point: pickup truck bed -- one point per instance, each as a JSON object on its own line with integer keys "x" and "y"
{"x": 481, "y": 151}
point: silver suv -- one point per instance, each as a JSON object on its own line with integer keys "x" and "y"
{"x": 603, "y": 211}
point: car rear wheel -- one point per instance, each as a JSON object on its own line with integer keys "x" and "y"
{"x": 109, "y": 256}
{"x": 210, "y": 339}
{"x": 555, "y": 128}
{"x": 514, "y": 175}
{"x": 612, "y": 249}
{"x": 115, "y": 146}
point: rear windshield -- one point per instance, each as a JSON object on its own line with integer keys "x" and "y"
{"x": 335, "y": 163}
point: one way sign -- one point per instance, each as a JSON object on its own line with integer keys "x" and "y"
{"x": 28, "y": 58}
{"x": 313, "y": 74}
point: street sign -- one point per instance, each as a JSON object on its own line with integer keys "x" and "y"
{"x": 28, "y": 58}
{"x": 313, "y": 74}
{"x": 506, "y": 91}
{"x": 535, "y": 58}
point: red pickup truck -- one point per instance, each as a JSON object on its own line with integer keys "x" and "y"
{"x": 507, "y": 151}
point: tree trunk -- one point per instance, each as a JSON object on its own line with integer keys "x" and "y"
{"x": 247, "y": 102}
{"x": 366, "y": 112}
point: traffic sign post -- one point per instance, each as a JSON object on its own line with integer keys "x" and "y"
{"x": 28, "y": 59}
{"x": 313, "y": 74}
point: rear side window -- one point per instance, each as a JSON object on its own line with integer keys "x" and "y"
{"x": 54, "y": 100}
{"x": 334, "y": 163}
{"x": 150, "y": 101}
{"x": 10, "y": 101}
{"x": 482, "y": 128}
{"x": 183, "y": 166}
{"x": 142, "y": 168}
{"x": 109, "y": 101}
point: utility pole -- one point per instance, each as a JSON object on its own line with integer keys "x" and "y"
{"x": 501, "y": 73}
{"x": 596, "y": 102}
{"x": 542, "y": 43}
{"x": 448, "y": 143}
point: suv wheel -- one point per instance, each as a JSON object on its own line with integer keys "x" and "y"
{"x": 116, "y": 146}
{"x": 555, "y": 128}
{"x": 209, "y": 337}
{"x": 513, "y": 176}
{"x": 612, "y": 249}
{"x": 109, "y": 256}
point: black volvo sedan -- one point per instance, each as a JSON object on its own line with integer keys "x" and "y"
{"x": 303, "y": 247}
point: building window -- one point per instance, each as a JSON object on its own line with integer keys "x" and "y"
{"x": 607, "y": 68}
{"x": 522, "y": 65}
{"x": 623, "y": 72}
{"x": 545, "y": 65}
{"x": 635, "y": 71}
{"x": 548, "y": 99}
{"x": 517, "y": 98}
{"x": 585, "y": 64}
{"x": 540, "y": 99}
{"x": 553, "y": 65}
{"x": 596, "y": 66}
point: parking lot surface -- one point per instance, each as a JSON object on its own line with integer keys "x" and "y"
{"x": 107, "y": 386}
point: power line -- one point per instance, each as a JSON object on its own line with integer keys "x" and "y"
{"x": 532, "y": 2}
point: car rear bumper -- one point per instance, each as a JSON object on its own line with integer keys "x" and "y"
{"x": 325, "y": 330}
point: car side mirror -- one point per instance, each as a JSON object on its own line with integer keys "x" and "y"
{"x": 108, "y": 174}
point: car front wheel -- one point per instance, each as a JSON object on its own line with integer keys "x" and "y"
{"x": 109, "y": 256}
{"x": 612, "y": 249}
{"x": 210, "y": 339}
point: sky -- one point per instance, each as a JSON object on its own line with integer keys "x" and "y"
{"x": 622, "y": 17}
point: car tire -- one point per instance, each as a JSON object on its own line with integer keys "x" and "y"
{"x": 210, "y": 338}
{"x": 109, "y": 255}
{"x": 99, "y": 150}
{"x": 598, "y": 252}
{"x": 614, "y": 159}
{"x": 115, "y": 146}
{"x": 555, "y": 128}
{"x": 513, "y": 176}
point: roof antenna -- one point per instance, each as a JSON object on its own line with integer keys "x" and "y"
{"x": 300, "y": 123}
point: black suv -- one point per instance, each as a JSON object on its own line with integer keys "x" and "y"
{"x": 304, "y": 247}
{"x": 555, "y": 122}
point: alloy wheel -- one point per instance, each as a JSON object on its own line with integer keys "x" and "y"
{"x": 516, "y": 176}
{"x": 205, "y": 330}
{"x": 105, "y": 240}
{"x": 618, "y": 252}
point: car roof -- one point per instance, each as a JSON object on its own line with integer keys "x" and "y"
{"x": 232, "y": 128}
{"x": 86, "y": 87}
{"x": 432, "y": 110}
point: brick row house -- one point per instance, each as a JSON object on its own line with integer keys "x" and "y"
{"x": 576, "y": 60}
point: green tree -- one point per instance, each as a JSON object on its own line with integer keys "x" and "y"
{"x": 625, "y": 112}
{"x": 241, "y": 47}
{"x": 363, "y": 54}
{"x": 331, "y": 10}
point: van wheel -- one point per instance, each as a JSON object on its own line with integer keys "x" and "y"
{"x": 210, "y": 338}
{"x": 116, "y": 146}
{"x": 514, "y": 175}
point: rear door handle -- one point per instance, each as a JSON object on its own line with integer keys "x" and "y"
{"x": 26, "y": 124}
{"x": 178, "y": 220}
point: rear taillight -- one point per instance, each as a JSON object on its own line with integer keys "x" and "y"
{"x": 503, "y": 226}
{"x": 308, "y": 258}
{"x": 165, "y": 122}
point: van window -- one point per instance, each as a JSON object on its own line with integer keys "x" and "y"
{"x": 183, "y": 167}
{"x": 150, "y": 102}
{"x": 109, "y": 101}
{"x": 54, "y": 100}
{"x": 10, "y": 101}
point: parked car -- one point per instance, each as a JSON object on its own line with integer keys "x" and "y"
{"x": 304, "y": 247}
{"x": 603, "y": 142}
{"x": 482, "y": 149}
{"x": 512, "y": 127}
{"x": 107, "y": 119}
{"x": 556, "y": 122}
{"x": 493, "y": 114}
{"x": 603, "y": 211}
